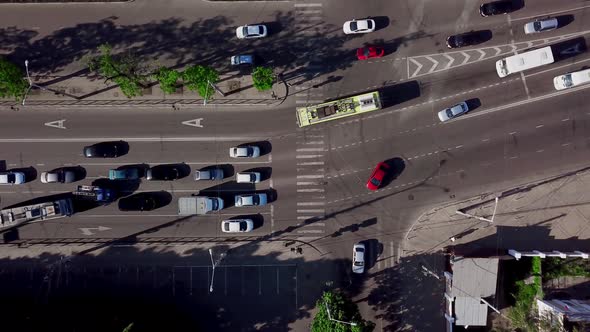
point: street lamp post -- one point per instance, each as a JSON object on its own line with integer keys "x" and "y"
{"x": 214, "y": 264}
{"x": 336, "y": 320}
{"x": 215, "y": 88}
{"x": 31, "y": 84}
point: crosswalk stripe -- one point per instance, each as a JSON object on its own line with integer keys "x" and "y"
{"x": 310, "y": 203}
{"x": 314, "y": 176}
{"x": 311, "y": 163}
{"x": 311, "y": 211}
{"x": 310, "y": 190}
{"x": 308, "y": 156}
{"x": 309, "y": 149}
{"x": 308, "y": 5}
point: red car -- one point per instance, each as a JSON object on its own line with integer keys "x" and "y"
{"x": 369, "y": 52}
{"x": 377, "y": 176}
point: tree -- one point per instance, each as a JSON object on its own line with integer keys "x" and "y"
{"x": 125, "y": 70}
{"x": 12, "y": 81}
{"x": 342, "y": 309}
{"x": 263, "y": 78}
{"x": 168, "y": 79}
{"x": 201, "y": 79}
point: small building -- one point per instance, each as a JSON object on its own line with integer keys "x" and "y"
{"x": 471, "y": 285}
{"x": 559, "y": 313}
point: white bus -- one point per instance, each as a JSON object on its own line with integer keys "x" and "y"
{"x": 524, "y": 61}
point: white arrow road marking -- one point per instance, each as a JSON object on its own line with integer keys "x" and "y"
{"x": 194, "y": 122}
{"x": 56, "y": 124}
{"x": 434, "y": 65}
{"x": 417, "y": 69}
{"x": 467, "y": 57}
{"x": 451, "y": 60}
{"x": 88, "y": 231}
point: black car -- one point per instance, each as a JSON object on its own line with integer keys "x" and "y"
{"x": 138, "y": 202}
{"x": 462, "y": 40}
{"x": 105, "y": 150}
{"x": 164, "y": 172}
{"x": 496, "y": 8}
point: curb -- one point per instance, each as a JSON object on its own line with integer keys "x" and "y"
{"x": 56, "y": 2}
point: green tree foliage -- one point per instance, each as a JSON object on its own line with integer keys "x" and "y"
{"x": 522, "y": 314}
{"x": 125, "y": 70}
{"x": 168, "y": 79}
{"x": 341, "y": 309}
{"x": 263, "y": 78}
{"x": 199, "y": 78}
{"x": 12, "y": 82}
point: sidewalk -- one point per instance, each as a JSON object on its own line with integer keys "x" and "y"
{"x": 76, "y": 91}
{"x": 552, "y": 214}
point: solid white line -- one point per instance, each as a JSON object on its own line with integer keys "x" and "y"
{"x": 272, "y": 217}
{"x": 310, "y": 176}
{"x": 559, "y": 67}
{"x": 308, "y": 156}
{"x": 310, "y": 190}
{"x": 310, "y": 231}
{"x": 310, "y": 150}
{"x": 311, "y": 11}
{"x": 310, "y": 163}
{"x": 310, "y": 203}
{"x": 314, "y": 142}
{"x": 526, "y": 87}
{"x": 307, "y": 183}
{"x": 549, "y": 14}
{"x": 172, "y": 162}
{"x": 128, "y": 139}
{"x": 311, "y": 211}
{"x": 308, "y": 5}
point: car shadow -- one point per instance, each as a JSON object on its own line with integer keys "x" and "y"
{"x": 264, "y": 146}
{"x": 119, "y": 188}
{"x": 161, "y": 199}
{"x": 272, "y": 194}
{"x": 142, "y": 168}
{"x": 29, "y": 172}
{"x": 265, "y": 172}
{"x": 79, "y": 172}
{"x": 399, "y": 93}
{"x": 564, "y": 20}
{"x": 257, "y": 219}
{"x": 481, "y": 36}
{"x": 373, "y": 250}
{"x": 517, "y": 5}
{"x": 227, "y": 191}
{"x": 569, "y": 48}
{"x": 273, "y": 27}
{"x": 473, "y": 104}
{"x": 184, "y": 169}
{"x": 381, "y": 22}
{"x": 396, "y": 168}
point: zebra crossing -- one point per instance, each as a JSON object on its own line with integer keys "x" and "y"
{"x": 311, "y": 199}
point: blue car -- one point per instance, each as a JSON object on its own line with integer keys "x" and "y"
{"x": 124, "y": 174}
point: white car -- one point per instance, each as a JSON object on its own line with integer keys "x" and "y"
{"x": 358, "y": 258}
{"x": 540, "y": 25}
{"x": 359, "y": 26}
{"x": 453, "y": 112}
{"x": 58, "y": 176}
{"x": 251, "y": 200}
{"x": 12, "y": 178}
{"x": 237, "y": 226}
{"x": 251, "y": 31}
{"x": 248, "y": 151}
{"x": 570, "y": 80}
{"x": 209, "y": 173}
{"x": 248, "y": 177}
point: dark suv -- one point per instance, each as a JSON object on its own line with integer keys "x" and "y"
{"x": 105, "y": 150}
{"x": 496, "y": 8}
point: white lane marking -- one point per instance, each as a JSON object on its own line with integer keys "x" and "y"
{"x": 89, "y": 230}
{"x": 56, "y": 124}
{"x": 153, "y": 215}
{"x": 310, "y": 231}
{"x": 311, "y": 211}
{"x": 566, "y": 119}
{"x": 554, "y": 68}
{"x": 310, "y": 11}
{"x": 310, "y": 190}
{"x": 417, "y": 69}
{"x": 310, "y": 176}
{"x": 314, "y": 142}
{"x": 308, "y": 156}
{"x": 308, "y": 5}
{"x": 169, "y": 162}
{"x": 307, "y": 183}
{"x": 550, "y": 14}
{"x": 310, "y": 203}
{"x": 131, "y": 139}
{"x": 272, "y": 217}
{"x": 311, "y": 163}
{"x": 310, "y": 150}
{"x": 540, "y": 126}
{"x": 526, "y": 87}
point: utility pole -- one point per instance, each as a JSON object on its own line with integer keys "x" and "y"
{"x": 336, "y": 320}
{"x": 214, "y": 264}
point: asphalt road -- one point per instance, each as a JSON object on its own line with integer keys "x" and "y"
{"x": 520, "y": 128}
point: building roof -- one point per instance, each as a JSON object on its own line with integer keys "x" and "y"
{"x": 473, "y": 278}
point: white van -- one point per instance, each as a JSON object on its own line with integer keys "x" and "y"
{"x": 572, "y": 79}
{"x": 524, "y": 61}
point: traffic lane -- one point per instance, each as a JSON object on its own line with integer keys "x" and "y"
{"x": 69, "y": 153}
{"x": 540, "y": 81}
{"x": 213, "y": 122}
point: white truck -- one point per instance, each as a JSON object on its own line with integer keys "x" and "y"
{"x": 524, "y": 61}
{"x": 198, "y": 205}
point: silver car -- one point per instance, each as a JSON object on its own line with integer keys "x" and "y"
{"x": 249, "y": 151}
{"x": 12, "y": 178}
{"x": 251, "y": 200}
{"x": 209, "y": 174}
{"x": 58, "y": 176}
{"x": 453, "y": 112}
{"x": 251, "y": 31}
{"x": 248, "y": 177}
{"x": 358, "y": 258}
{"x": 237, "y": 225}
{"x": 541, "y": 25}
